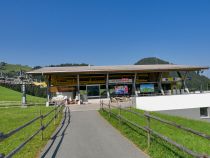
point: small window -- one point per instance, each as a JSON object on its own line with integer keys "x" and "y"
{"x": 204, "y": 112}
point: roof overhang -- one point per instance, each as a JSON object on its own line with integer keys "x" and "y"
{"x": 116, "y": 69}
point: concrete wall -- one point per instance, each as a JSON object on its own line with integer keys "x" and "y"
{"x": 173, "y": 102}
{"x": 193, "y": 113}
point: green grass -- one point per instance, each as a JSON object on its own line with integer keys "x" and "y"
{"x": 11, "y": 95}
{"x": 11, "y": 118}
{"x": 160, "y": 148}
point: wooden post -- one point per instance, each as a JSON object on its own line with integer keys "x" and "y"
{"x": 119, "y": 114}
{"x": 160, "y": 83}
{"x": 54, "y": 115}
{"x": 148, "y": 133}
{"x": 109, "y": 110}
{"x": 78, "y": 88}
{"x": 134, "y": 85}
{"x": 41, "y": 124}
{"x": 107, "y": 85}
{"x": 48, "y": 89}
{"x": 58, "y": 112}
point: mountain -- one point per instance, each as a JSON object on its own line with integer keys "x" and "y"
{"x": 150, "y": 61}
{"x": 197, "y": 81}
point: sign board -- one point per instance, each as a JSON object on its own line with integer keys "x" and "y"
{"x": 147, "y": 88}
{"x": 171, "y": 79}
{"x": 119, "y": 90}
{"x": 123, "y": 80}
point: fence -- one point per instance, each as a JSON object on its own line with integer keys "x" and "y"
{"x": 150, "y": 132}
{"x": 57, "y": 110}
{"x": 10, "y": 104}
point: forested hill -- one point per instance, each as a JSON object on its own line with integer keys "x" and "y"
{"x": 12, "y": 70}
{"x": 197, "y": 81}
{"x": 150, "y": 61}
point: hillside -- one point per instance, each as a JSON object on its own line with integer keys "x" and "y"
{"x": 150, "y": 61}
{"x": 12, "y": 69}
{"x": 11, "y": 95}
{"x": 197, "y": 81}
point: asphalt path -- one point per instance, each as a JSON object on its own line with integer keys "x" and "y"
{"x": 85, "y": 134}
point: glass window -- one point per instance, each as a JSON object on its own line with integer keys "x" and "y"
{"x": 93, "y": 90}
{"x": 204, "y": 112}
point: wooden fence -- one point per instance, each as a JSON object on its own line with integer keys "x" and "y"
{"x": 108, "y": 108}
{"x": 57, "y": 110}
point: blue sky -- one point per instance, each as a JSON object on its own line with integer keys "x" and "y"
{"x": 109, "y": 32}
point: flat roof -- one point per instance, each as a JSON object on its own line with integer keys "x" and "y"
{"x": 117, "y": 68}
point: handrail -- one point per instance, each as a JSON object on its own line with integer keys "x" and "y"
{"x": 152, "y": 132}
{"x": 42, "y": 128}
{"x": 203, "y": 135}
{"x": 179, "y": 126}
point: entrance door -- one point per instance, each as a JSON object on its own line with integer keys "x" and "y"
{"x": 93, "y": 91}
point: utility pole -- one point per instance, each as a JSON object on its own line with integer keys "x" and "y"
{"x": 23, "y": 89}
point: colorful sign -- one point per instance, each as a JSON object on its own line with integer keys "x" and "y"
{"x": 119, "y": 90}
{"x": 147, "y": 88}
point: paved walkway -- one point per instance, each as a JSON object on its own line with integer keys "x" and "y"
{"x": 85, "y": 134}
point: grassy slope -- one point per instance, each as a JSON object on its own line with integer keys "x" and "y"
{"x": 11, "y": 118}
{"x": 11, "y": 95}
{"x": 159, "y": 148}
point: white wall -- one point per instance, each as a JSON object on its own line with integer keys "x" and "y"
{"x": 173, "y": 102}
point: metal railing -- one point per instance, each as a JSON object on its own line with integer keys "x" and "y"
{"x": 57, "y": 110}
{"x": 108, "y": 108}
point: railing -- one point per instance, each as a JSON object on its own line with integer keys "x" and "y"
{"x": 57, "y": 110}
{"x": 108, "y": 108}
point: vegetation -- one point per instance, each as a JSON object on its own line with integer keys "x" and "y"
{"x": 12, "y": 70}
{"x": 30, "y": 89}
{"x": 11, "y": 95}
{"x": 69, "y": 64}
{"x": 150, "y": 61}
{"x": 196, "y": 82}
{"x": 159, "y": 148}
{"x": 11, "y": 118}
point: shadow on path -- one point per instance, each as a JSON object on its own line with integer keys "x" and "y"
{"x": 59, "y": 133}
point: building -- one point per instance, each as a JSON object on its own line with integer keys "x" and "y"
{"x": 144, "y": 82}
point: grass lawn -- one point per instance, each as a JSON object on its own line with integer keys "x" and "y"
{"x": 11, "y": 118}
{"x": 11, "y": 95}
{"x": 159, "y": 148}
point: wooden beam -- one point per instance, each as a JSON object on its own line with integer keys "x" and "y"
{"x": 160, "y": 83}
{"x": 134, "y": 85}
{"x": 78, "y": 88}
{"x": 107, "y": 85}
{"x": 48, "y": 88}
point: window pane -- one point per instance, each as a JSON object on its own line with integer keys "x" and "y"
{"x": 93, "y": 91}
{"x": 204, "y": 112}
